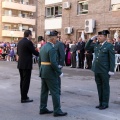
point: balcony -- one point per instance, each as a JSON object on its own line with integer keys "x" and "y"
{"x": 53, "y": 23}
{"x": 18, "y": 6}
{"x": 13, "y": 33}
{"x": 18, "y": 20}
{"x": 47, "y": 2}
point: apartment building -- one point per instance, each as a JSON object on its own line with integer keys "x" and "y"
{"x": 71, "y": 17}
{"x": 16, "y": 16}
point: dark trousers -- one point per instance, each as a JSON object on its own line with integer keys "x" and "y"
{"x": 52, "y": 85}
{"x": 25, "y": 76}
{"x": 59, "y": 83}
{"x": 81, "y": 57}
{"x": 102, "y": 81}
{"x": 73, "y": 59}
{"x": 89, "y": 58}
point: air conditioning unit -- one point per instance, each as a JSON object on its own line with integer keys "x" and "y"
{"x": 89, "y": 25}
{"x": 116, "y": 7}
{"x": 68, "y": 30}
{"x": 66, "y": 5}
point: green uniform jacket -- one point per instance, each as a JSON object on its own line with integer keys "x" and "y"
{"x": 59, "y": 46}
{"x": 104, "y": 57}
{"x": 48, "y": 54}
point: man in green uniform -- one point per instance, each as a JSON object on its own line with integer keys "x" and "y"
{"x": 59, "y": 46}
{"x": 103, "y": 66}
{"x": 49, "y": 73}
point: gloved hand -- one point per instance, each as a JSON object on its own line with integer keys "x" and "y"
{"x": 59, "y": 66}
{"x": 111, "y": 73}
{"x": 94, "y": 37}
{"x": 61, "y": 75}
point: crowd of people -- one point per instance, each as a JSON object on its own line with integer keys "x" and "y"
{"x": 8, "y": 51}
{"x": 76, "y": 56}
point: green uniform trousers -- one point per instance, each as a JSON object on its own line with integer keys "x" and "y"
{"x": 53, "y": 86}
{"x": 102, "y": 81}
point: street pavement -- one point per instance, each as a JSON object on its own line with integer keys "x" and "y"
{"x": 79, "y": 96}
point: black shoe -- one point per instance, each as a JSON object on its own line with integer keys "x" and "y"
{"x": 46, "y": 112}
{"x": 103, "y": 107}
{"x": 98, "y": 106}
{"x": 60, "y": 114}
{"x": 26, "y": 101}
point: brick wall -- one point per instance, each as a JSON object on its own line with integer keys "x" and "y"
{"x": 40, "y": 17}
{"x": 99, "y": 10}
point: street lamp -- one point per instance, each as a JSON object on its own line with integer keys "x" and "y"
{"x": 11, "y": 33}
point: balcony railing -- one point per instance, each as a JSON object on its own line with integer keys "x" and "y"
{"x": 19, "y": 2}
{"x": 18, "y": 6}
{"x": 15, "y": 33}
{"x": 18, "y": 20}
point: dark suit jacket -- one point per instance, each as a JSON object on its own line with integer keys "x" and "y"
{"x": 117, "y": 47}
{"x": 104, "y": 57}
{"x": 59, "y": 46}
{"x": 73, "y": 48}
{"x": 48, "y": 54}
{"x": 81, "y": 47}
{"x": 25, "y": 49}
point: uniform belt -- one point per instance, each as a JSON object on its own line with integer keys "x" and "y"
{"x": 45, "y": 63}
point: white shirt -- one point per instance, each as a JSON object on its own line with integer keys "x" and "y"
{"x": 103, "y": 43}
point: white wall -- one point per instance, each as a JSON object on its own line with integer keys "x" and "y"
{"x": 53, "y": 23}
{"x": 52, "y": 1}
{"x": 115, "y": 1}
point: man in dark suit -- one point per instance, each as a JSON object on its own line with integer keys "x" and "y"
{"x": 25, "y": 50}
{"x": 103, "y": 66}
{"x": 81, "y": 53}
{"x": 59, "y": 46}
{"x": 117, "y": 46}
{"x": 49, "y": 73}
{"x": 73, "y": 50}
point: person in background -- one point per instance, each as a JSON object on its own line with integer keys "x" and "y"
{"x": 59, "y": 47}
{"x": 11, "y": 54}
{"x": 117, "y": 46}
{"x": 67, "y": 53}
{"x": 110, "y": 40}
{"x": 73, "y": 50}
{"x": 81, "y": 52}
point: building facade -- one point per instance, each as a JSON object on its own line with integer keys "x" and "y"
{"x": 16, "y": 16}
{"x": 71, "y": 17}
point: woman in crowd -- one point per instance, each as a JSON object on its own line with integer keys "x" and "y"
{"x": 68, "y": 54}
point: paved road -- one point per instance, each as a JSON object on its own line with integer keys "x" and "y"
{"x": 79, "y": 96}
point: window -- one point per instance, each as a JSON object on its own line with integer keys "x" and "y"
{"x": 82, "y": 7}
{"x": 55, "y": 11}
{"x": 7, "y": 27}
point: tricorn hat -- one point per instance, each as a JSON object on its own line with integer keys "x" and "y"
{"x": 100, "y": 33}
{"x": 52, "y": 33}
{"x": 105, "y": 32}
